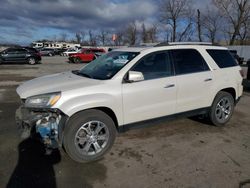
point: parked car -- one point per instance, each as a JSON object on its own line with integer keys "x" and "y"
{"x": 20, "y": 55}
{"x": 82, "y": 110}
{"x": 71, "y": 51}
{"x": 47, "y": 52}
{"x": 60, "y": 51}
{"x": 86, "y": 55}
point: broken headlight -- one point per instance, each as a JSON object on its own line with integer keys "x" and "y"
{"x": 42, "y": 101}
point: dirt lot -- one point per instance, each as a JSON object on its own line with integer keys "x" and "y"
{"x": 179, "y": 153}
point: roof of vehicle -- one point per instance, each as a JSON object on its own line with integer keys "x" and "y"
{"x": 28, "y": 49}
{"x": 132, "y": 49}
{"x": 181, "y": 45}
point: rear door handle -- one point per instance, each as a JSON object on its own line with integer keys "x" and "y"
{"x": 208, "y": 79}
{"x": 170, "y": 85}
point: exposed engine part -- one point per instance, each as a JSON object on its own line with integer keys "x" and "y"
{"x": 47, "y": 127}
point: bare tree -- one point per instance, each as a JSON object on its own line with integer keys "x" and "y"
{"x": 187, "y": 32}
{"x": 63, "y": 37}
{"x": 176, "y": 13}
{"x": 151, "y": 33}
{"x": 92, "y": 38}
{"x": 83, "y": 38}
{"x": 144, "y": 34}
{"x": 120, "y": 37}
{"x": 103, "y": 37}
{"x": 148, "y": 34}
{"x": 78, "y": 37}
{"x": 236, "y": 12}
{"x": 131, "y": 33}
{"x": 212, "y": 24}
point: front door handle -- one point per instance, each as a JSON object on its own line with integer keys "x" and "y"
{"x": 208, "y": 79}
{"x": 169, "y": 85}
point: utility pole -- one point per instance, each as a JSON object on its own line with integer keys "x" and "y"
{"x": 199, "y": 24}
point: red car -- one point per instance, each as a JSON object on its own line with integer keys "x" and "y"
{"x": 86, "y": 55}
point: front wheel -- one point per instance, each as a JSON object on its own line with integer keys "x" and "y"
{"x": 32, "y": 61}
{"x": 89, "y": 135}
{"x": 77, "y": 60}
{"x": 222, "y": 108}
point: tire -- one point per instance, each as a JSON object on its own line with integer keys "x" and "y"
{"x": 81, "y": 135}
{"x": 77, "y": 60}
{"x": 222, "y": 109}
{"x": 31, "y": 61}
{"x": 50, "y": 54}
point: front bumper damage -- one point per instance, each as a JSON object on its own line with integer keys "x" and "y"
{"x": 46, "y": 124}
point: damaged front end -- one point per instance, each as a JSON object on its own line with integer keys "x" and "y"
{"x": 46, "y": 124}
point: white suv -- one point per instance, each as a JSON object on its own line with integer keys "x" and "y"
{"x": 82, "y": 110}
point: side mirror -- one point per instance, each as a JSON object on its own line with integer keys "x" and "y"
{"x": 134, "y": 76}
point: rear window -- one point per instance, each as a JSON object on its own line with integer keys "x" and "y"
{"x": 32, "y": 50}
{"x": 96, "y": 50}
{"x": 188, "y": 61}
{"x": 222, "y": 58}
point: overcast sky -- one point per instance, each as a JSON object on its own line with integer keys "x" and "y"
{"x": 23, "y": 21}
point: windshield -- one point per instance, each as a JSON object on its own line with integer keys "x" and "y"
{"x": 106, "y": 66}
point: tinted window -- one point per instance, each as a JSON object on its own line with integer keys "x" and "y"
{"x": 188, "y": 61}
{"x": 21, "y": 51}
{"x": 222, "y": 58}
{"x": 31, "y": 50}
{"x": 155, "y": 65}
{"x": 11, "y": 51}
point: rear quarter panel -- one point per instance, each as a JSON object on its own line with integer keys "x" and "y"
{"x": 223, "y": 77}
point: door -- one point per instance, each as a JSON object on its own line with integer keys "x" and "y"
{"x": 194, "y": 80}
{"x": 9, "y": 55}
{"x": 21, "y": 55}
{"x": 153, "y": 97}
{"x": 87, "y": 56}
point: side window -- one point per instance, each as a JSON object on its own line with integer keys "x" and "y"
{"x": 11, "y": 51}
{"x": 188, "y": 61}
{"x": 222, "y": 58}
{"x": 87, "y": 51}
{"x": 21, "y": 51}
{"x": 155, "y": 65}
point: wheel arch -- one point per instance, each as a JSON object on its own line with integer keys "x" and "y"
{"x": 104, "y": 109}
{"x": 231, "y": 91}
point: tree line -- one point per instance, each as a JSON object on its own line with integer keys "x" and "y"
{"x": 223, "y": 21}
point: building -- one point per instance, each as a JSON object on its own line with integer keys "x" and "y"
{"x": 55, "y": 45}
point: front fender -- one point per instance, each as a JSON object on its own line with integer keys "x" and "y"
{"x": 80, "y": 103}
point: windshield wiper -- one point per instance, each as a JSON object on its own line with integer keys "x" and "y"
{"x": 77, "y": 72}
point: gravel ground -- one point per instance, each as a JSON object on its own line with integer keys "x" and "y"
{"x": 178, "y": 153}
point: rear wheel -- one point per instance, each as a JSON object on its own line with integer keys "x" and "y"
{"x": 77, "y": 60}
{"x": 222, "y": 108}
{"x": 31, "y": 61}
{"x": 89, "y": 135}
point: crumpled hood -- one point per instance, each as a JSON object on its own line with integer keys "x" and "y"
{"x": 53, "y": 83}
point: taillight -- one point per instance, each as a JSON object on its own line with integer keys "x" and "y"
{"x": 242, "y": 73}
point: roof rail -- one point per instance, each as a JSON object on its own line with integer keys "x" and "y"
{"x": 183, "y": 43}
